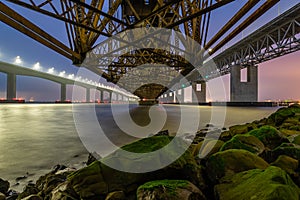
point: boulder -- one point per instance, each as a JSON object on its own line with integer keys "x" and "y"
{"x": 286, "y": 163}
{"x": 288, "y": 149}
{"x": 232, "y": 161}
{"x": 169, "y": 190}
{"x": 296, "y": 140}
{"x": 282, "y": 114}
{"x": 269, "y": 136}
{"x": 4, "y": 186}
{"x": 97, "y": 180}
{"x": 246, "y": 142}
{"x": 257, "y": 184}
{"x": 29, "y": 189}
{"x": 207, "y": 147}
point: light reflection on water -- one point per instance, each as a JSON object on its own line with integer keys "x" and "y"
{"x": 35, "y": 137}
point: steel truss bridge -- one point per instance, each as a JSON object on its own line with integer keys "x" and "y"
{"x": 88, "y": 22}
{"x": 279, "y": 37}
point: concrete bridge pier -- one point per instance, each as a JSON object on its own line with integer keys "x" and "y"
{"x": 63, "y": 92}
{"x": 101, "y": 96}
{"x": 88, "y": 95}
{"x": 243, "y": 91}
{"x": 11, "y": 91}
{"x": 199, "y": 92}
{"x": 110, "y": 96}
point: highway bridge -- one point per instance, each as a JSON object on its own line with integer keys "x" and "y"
{"x": 13, "y": 70}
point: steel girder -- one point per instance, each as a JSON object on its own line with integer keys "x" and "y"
{"x": 279, "y": 37}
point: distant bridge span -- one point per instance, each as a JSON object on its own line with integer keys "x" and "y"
{"x": 12, "y": 70}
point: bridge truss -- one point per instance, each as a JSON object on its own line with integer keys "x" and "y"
{"x": 89, "y": 21}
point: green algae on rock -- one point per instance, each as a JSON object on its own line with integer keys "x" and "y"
{"x": 232, "y": 161}
{"x": 246, "y": 142}
{"x": 169, "y": 190}
{"x": 257, "y": 184}
{"x": 269, "y": 135}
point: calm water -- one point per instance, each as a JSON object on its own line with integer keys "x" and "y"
{"x": 35, "y": 137}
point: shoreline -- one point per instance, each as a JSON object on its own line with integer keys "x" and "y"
{"x": 268, "y": 142}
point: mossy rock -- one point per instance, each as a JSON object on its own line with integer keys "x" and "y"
{"x": 281, "y": 115}
{"x": 98, "y": 179}
{"x": 207, "y": 147}
{"x": 296, "y": 140}
{"x": 241, "y": 129}
{"x": 169, "y": 190}
{"x": 246, "y": 142}
{"x": 288, "y": 149}
{"x": 286, "y": 163}
{"x": 289, "y": 132}
{"x": 269, "y": 184}
{"x": 232, "y": 161}
{"x": 269, "y": 136}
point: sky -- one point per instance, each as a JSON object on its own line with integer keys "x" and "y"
{"x": 278, "y": 78}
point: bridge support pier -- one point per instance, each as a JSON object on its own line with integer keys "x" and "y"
{"x": 88, "y": 95}
{"x": 110, "y": 97}
{"x": 199, "y": 92}
{"x": 243, "y": 91}
{"x": 63, "y": 92}
{"x": 11, "y": 91}
{"x": 101, "y": 96}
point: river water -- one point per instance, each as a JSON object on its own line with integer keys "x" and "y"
{"x": 35, "y": 137}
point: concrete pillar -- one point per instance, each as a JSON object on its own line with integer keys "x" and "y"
{"x": 88, "y": 95}
{"x": 101, "y": 96}
{"x": 243, "y": 91}
{"x": 110, "y": 96}
{"x": 11, "y": 91}
{"x": 199, "y": 92}
{"x": 63, "y": 92}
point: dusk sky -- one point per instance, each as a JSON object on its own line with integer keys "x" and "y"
{"x": 278, "y": 78}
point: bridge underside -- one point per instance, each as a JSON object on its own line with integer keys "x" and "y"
{"x": 119, "y": 58}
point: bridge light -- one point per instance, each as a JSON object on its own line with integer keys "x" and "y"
{"x": 71, "y": 76}
{"x": 37, "y": 66}
{"x": 51, "y": 70}
{"x": 18, "y": 60}
{"x": 62, "y": 74}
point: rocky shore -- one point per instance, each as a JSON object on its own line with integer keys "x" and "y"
{"x": 258, "y": 160}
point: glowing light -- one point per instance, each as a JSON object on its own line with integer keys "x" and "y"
{"x": 37, "y": 66}
{"x": 209, "y": 50}
{"x": 51, "y": 70}
{"x": 62, "y": 74}
{"x": 71, "y": 76}
{"x": 18, "y": 60}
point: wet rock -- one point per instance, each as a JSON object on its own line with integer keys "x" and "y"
{"x": 169, "y": 190}
{"x": 209, "y": 125}
{"x": 21, "y": 178}
{"x": 98, "y": 180}
{"x": 28, "y": 190}
{"x": 280, "y": 116}
{"x": 58, "y": 167}
{"x": 93, "y": 157}
{"x": 2, "y": 196}
{"x": 4, "y": 186}
{"x": 63, "y": 192}
{"x": 270, "y": 136}
{"x": 241, "y": 129}
{"x": 286, "y": 163}
{"x": 207, "y": 147}
{"x": 232, "y": 161}
{"x": 116, "y": 195}
{"x": 246, "y": 142}
{"x": 272, "y": 183}
{"x": 288, "y": 149}
{"x": 296, "y": 140}
{"x": 45, "y": 184}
